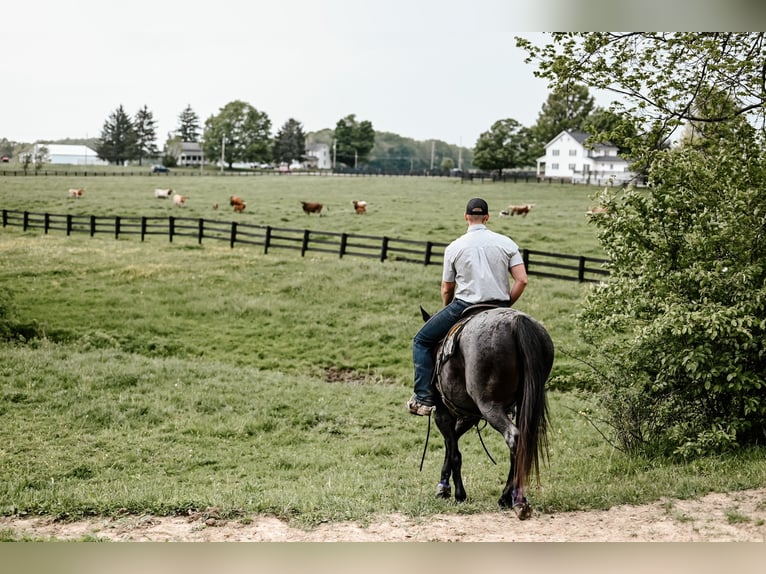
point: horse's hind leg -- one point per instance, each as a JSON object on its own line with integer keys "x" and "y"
{"x": 504, "y": 425}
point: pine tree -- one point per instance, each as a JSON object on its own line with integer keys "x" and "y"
{"x": 146, "y": 136}
{"x": 117, "y": 143}
{"x": 290, "y": 142}
{"x": 188, "y": 125}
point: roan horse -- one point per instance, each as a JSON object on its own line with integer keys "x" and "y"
{"x": 496, "y": 371}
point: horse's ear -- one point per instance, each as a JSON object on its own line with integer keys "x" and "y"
{"x": 426, "y": 316}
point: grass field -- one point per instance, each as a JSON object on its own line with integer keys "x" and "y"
{"x": 178, "y": 376}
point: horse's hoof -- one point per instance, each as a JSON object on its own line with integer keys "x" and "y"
{"x": 443, "y": 491}
{"x": 523, "y": 510}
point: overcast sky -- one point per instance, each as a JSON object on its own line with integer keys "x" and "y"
{"x": 442, "y": 69}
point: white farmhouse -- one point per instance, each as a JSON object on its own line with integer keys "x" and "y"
{"x": 566, "y": 157}
{"x": 317, "y": 156}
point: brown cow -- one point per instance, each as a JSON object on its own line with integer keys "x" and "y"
{"x": 76, "y": 193}
{"x": 180, "y": 200}
{"x": 238, "y": 203}
{"x": 312, "y": 207}
{"x": 520, "y": 209}
{"x": 360, "y": 206}
{"x": 596, "y": 210}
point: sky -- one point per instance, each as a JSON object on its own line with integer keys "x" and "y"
{"x": 424, "y": 69}
{"x": 433, "y": 69}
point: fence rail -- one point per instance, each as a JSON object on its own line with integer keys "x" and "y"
{"x": 541, "y": 263}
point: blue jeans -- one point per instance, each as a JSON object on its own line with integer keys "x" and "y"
{"x": 433, "y": 331}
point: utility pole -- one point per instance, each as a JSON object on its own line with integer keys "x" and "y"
{"x": 334, "y": 152}
{"x": 223, "y": 149}
{"x": 433, "y": 148}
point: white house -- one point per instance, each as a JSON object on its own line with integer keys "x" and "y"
{"x": 566, "y": 157}
{"x": 191, "y": 154}
{"x": 69, "y": 154}
{"x": 318, "y": 156}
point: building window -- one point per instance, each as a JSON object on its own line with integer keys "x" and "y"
{"x": 572, "y": 167}
{"x": 555, "y": 152}
{"x": 554, "y": 166}
{"x": 572, "y": 153}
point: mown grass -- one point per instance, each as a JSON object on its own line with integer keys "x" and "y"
{"x": 178, "y": 376}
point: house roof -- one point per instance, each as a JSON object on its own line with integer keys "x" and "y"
{"x": 191, "y": 147}
{"x": 580, "y": 138}
{"x": 67, "y": 149}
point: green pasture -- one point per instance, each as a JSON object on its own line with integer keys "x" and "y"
{"x": 177, "y": 376}
{"x": 416, "y": 208}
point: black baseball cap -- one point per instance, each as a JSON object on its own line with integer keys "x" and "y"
{"x": 477, "y": 206}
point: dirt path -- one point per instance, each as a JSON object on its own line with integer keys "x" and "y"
{"x": 739, "y": 516}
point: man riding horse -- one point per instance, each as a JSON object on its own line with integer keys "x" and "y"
{"x": 476, "y": 270}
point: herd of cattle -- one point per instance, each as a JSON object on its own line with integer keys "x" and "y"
{"x": 237, "y": 203}
{"x": 360, "y": 207}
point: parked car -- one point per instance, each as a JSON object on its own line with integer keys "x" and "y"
{"x": 5, "y": 159}
{"x": 159, "y": 169}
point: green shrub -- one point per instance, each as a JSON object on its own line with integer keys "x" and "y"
{"x": 680, "y": 325}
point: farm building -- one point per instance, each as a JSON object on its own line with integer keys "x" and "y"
{"x": 68, "y": 154}
{"x": 191, "y": 154}
{"x": 567, "y": 157}
{"x": 317, "y": 156}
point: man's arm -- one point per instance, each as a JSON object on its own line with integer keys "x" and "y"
{"x": 519, "y": 274}
{"x": 448, "y": 292}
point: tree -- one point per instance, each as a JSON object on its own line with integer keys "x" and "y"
{"x": 354, "y": 140}
{"x": 40, "y": 157}
{"x": 241, "y": 132}
{"x": 146, "y": 135}
{"x": 502, "y": 147}
{"x": 188, "y": 125}
{"x": 289, "y": 143}
{"x": 117, "y": 143}
{"x": 677, "y": 330}
{"x": 567, "y": 108}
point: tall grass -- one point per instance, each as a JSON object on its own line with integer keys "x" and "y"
{"x": 178, "y": 376}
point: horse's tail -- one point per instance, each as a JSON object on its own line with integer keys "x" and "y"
{"x": 535, "y": 350}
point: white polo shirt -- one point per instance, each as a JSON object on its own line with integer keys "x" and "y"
{"x": 479, "y": 262}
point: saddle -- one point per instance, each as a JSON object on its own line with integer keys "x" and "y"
{"x": 450, "y": 342}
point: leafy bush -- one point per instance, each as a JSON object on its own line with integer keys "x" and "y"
{"x": 679, "y": 328}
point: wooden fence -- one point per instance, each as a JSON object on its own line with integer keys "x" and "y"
{"x": 553, "y": 265}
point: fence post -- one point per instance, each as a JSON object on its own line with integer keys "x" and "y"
{"x": 581, "y": 270}
{"x": 143, "y": 228}
{"x": 267, "y": 240}
{"x": 525, "y": 258}
{"x": 233, "y": 235}
{"x": 69, "y": 225}
{"x": 305, "y": 243}
{"x": 92, "y": 225}
{"x": 429, "y": 250}
{"x": 47, "y": 224}
{"x": 117, "y": 227}
{"x": 200, "y": 231}
{"x": 5, "y": 217}
{"x": 384, "y": 249}
{"x": 343, "y": 244}
{"x": 26, "y": 220}
{"x": 171, "y": 227}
